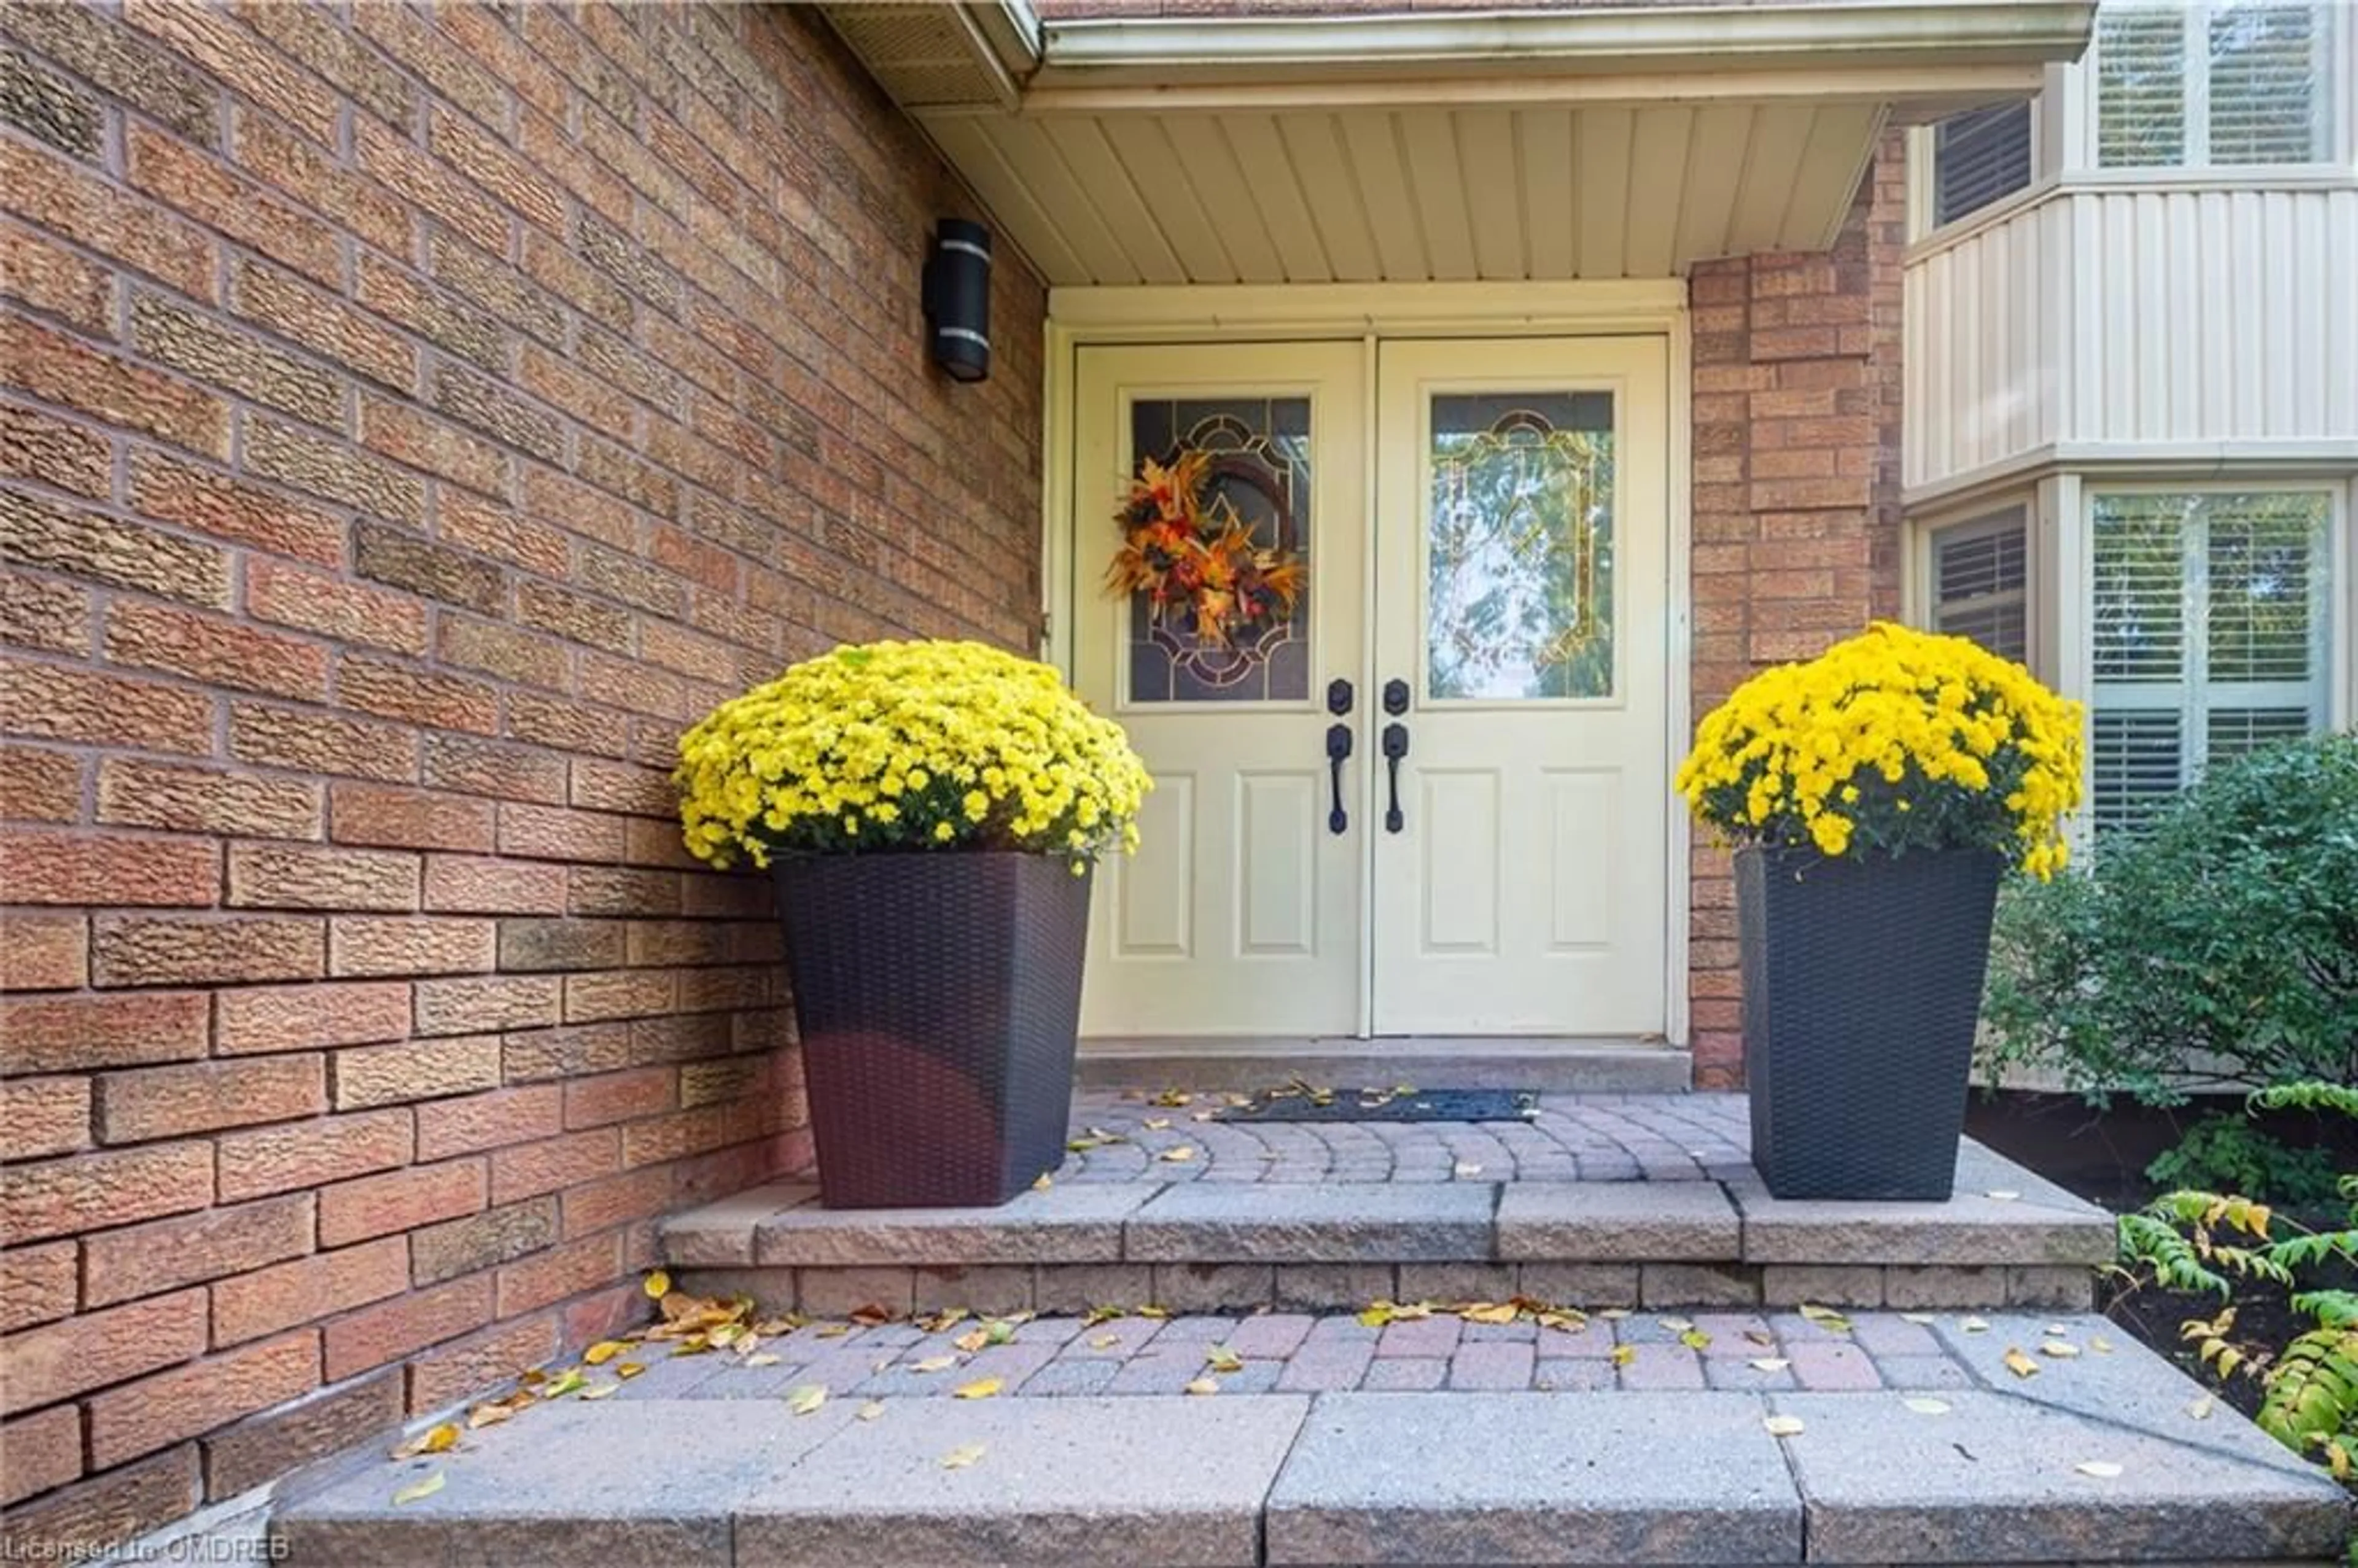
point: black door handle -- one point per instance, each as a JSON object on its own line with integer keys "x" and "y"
{"x": 1395, "y": 748}
{"x": 1338, "y": 746}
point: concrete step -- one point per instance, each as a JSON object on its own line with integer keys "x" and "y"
{"x": 1934, "y": 1454}
{"x": 1261, "y": 1215}
{"x": 1547, "y": 1066}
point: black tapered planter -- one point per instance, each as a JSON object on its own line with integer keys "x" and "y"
{"x": 1862, "y": 985}
{"x": 938, "y": 996}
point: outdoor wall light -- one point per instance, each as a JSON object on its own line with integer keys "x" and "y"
{"x": 957, "y": 298}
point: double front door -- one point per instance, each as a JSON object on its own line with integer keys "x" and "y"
{"x": 1432, "y": 798}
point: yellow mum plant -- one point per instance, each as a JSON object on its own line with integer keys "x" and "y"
{"x": 909, "y": 747}
{"x": 1893, "y": 741}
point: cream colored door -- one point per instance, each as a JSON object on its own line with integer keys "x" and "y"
{"x": 1242, "y": 912}
{"x": 1521, "y": 608}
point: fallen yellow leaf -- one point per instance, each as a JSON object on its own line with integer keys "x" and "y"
{"x": 1783, "y": 1425}
{"x": 488, "y": 1415}
{"x": 1150, "y": 1310}
{"x": 627, "y": 1368}
{"x": 1043, "y": 1182}
{"x": 1825, "y": 1318}
{"x": 766, "y": 1358}
{"x": 2101, "y": 1346}
{"x": 1563, "y": 1320}
{"x": 1156, "y": 1123}
{"x": 1202, "y": 1386}
{"x": 416, "y": 1489}
{"x": 871, "y": 1410}
{"x": 1487, "y": 1311}
{"x": 1676, "y": 1324}
{"x": 1696, "y": 1339}
{"x": 1613, "y": 1314}
{"x": 658, "y": 1285}
{"x": 805, "y": 1398}
{"x": 973, "y": 1339}
{"x": 1104, "y": 1341}
{"x": 830, "y": 1331}
{"x": 1098, "y": 1315}
{"x": 438, "y": 1439}
{"x": 960, "y": 1457}
{"x": 933, "y": 1364}
{"x": 1624, "y": 1354}
{"x": 1171, "y": 1100}
{"x": 2058, "y": 1348}
{"x": 1178, "y": 1156}
{"x": 2019, "y": 1364}
{"x": 599, "y": 1390}
{"x": 1220, "y": 1359}
{"x": 980, "y": 1389}
{"x": 605, "y": 1350}
{"x": 1376, "y": 1315}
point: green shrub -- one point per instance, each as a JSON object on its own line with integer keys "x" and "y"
{"x": 2192, "y": 1240}
{"x": 2230, "y": 1154}
{"x": 2221, "y": 940}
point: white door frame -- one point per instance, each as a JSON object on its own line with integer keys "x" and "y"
{"x": 1367, "y": 312}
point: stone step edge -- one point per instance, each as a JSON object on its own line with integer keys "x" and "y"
{"x": 1305, "y": 1472}
{"x": 1346, "y": 1287}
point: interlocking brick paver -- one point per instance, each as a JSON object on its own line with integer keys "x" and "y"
{"x": 1833, "y": 1366}
{"x": 1404, "y": 1374}
{"x": 1063, "y": 1356}
{"x": 1880, "y": 1336}
{"x": 1419, "y": 1336}
{"x": 1491, "y": 1364}
{"x": 1326, "y": 1367}
{"x": 1923, "y": 1372}
{"x": 1277, "y": 1334}
{"x": 1661, "y": 1366}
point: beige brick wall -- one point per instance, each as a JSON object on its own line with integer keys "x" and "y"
{"x": 1796, "y": 525}
{"x": 412, "y": 419}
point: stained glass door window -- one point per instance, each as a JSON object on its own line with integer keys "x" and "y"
{"x": 1260, "y": 467}
{"x": 1519, "y": 546}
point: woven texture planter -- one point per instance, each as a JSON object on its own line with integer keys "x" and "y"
{"x": 938, "y": 996}
{"x": 1862, "y": 985}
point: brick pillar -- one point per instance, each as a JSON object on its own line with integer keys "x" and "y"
{"x": 1796, "y": 503}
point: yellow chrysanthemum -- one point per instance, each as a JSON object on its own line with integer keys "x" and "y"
{"x": 908, "y": 745}
{"x": 1922, "y": 742}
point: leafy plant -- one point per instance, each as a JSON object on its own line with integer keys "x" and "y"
{"x": 2192, "y": 1240}
{"x": 2220, "y": 943}
{"x": 2230, "y": 1153}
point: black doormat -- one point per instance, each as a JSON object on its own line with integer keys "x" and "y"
{"x": 1301, "y": 1103}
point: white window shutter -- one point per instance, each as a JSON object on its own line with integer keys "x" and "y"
{"x": 1978, "y": 158}
{"x": 2140, "y": 86}
{"x": 2266, "y": 87}
{"x": 2208, "y": 634}
{"x": 1980, "y": 573}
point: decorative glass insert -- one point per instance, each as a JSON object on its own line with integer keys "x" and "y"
{"x": 1518, "y": 557}
{"x": 1259, "y": 465}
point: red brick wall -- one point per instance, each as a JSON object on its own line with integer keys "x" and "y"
{"x": 414, "y": 419}
{"x": 1797, "y": 540}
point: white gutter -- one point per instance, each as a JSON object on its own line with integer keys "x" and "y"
{"x": 1175, "y": 48}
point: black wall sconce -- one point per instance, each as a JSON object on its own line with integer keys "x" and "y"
{"x": 957, "y": 290}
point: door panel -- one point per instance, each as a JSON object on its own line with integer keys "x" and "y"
{"x": 1241, "y": 913}
{"x": 1522, "y": 593}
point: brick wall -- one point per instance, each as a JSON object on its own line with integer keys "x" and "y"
{"x": 1797, "y": 524}
{"x": 412, "y": 419}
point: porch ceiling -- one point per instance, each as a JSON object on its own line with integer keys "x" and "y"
{"x": 1546, "y": 144}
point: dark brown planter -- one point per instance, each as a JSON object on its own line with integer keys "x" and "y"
{"x": 1862, "y": 985}
{"x": 938, "y": 997}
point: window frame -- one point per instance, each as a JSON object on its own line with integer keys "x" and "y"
{"x": 2333, "y": 603}
{"x": 2016, "y": 509}
{"x": 2336, "y": 30}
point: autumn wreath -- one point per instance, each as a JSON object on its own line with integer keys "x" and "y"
{"x": 1193, "y": 555}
